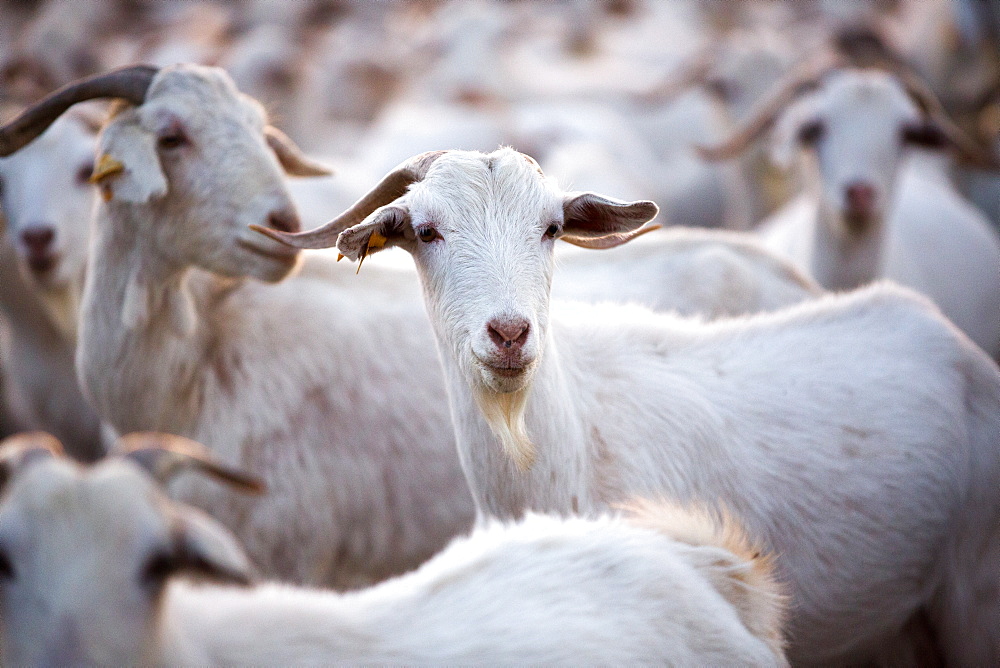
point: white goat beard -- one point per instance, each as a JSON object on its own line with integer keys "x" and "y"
{"x": 504, "y": 413}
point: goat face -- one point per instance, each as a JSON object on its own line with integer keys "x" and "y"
{"x": 196, "y": 155}
{"x": 85, "y": 555}
{"x": 481, "y": 229}
{"x": 856, "y": 126}
{"x": 48, "y": 201}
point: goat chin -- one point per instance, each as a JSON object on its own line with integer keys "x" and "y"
{"x": 504, "y": 413}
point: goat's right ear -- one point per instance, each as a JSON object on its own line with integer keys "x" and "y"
{"x": 387, "y": 227}
{"x": 207, "y": 549}
{"x": 128, "y": 166}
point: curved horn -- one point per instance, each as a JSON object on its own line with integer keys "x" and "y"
{"x": 392, "y": 186}
{"x": 127, "y": 83}
{"x": 21, "y": 449}
{"x": 166, "y": 455}
{"x": 931, "y": 107}
{"x": 766, "y": 113}
{"x": 686, "y": 76}
{"x": 291, "y": 157}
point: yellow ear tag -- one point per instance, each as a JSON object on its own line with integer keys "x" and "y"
{"x": 106, "y": 166}
{"x": 376, "y": 240}
{"x": 340, "y": 256}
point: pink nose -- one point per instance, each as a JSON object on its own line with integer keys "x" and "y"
{"x": 860, "y": 197}
{"x": 37, "y": 239}
{"x": 508, "y": 334}
{"x": 284, "y": 220}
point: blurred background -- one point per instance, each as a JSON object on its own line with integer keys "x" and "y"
{"x": 609, "y": 95}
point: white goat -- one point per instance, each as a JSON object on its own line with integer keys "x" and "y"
{"x": 90, "y": 559}
{"x": 356, "y": 448}
{"x": 856, "y": 435}
{"x": 874, "y": 209}
{"x": 690, "y": 271}
{"x": 47, "y": 204}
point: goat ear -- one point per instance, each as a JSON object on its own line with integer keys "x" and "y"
{"x": 387, "y": 227}
{"x": 925, "y": 134}
{"x": 19, "y": 450}
{"x": 796, "y": 127}
{"x": 595, "y": 221}
{"x": 128, "y": 167}
{"x": 206, "y": 548}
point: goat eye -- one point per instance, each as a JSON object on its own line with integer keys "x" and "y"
{"x": 427, "y": 234}
{"x": 83, "y": 173}
{"x": 6, "y": 567}
{"x": 158, "y": 568}
{"x": 173, "y": 137}
{"x": 810, "y": 133}
{"x": 551, "y": 231}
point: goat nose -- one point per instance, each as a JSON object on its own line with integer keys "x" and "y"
{"x": 860, "y": 197}
{"x": 38, "y": 238}
{"x": 284, "y": 220}
{"x": 508, "y": 333}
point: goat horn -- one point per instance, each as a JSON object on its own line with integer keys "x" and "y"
{"x": 799, "y": 81}
{"x": 392, "y": 186}
{"x": 686, "y": 76}
{"x": 166, "y": 455}
{"x": 932, "y": 108}
{"x": 291, "y": 157}
{"x": 21, "y": 449}
{"x": 127, "y": 83}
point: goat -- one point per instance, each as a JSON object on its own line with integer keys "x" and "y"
{"x": 874, "y": 209}
{"x": 47, "y": 203}
{"x": 855, "y": 435}
{"x": 179, "y": 334}
{"x": 92, "y": 566}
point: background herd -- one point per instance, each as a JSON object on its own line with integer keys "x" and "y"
{"x": 818, "y": 371}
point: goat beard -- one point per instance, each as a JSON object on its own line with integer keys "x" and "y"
{"x": 504, "y": 413}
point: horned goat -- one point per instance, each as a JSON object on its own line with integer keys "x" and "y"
{"x": 92, "y": 561}
{"x": 872, "y": 208}
{"x": 47, "y": 204}
{"x": 855, "y": 435}
{"x": 178, "y": 334}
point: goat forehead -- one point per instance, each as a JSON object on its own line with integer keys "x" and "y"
{"x": 472, "y": 190}
{"x": 862, "y": 94}
{"x": 109, "y": 499}
{"x": 204, "y": 92}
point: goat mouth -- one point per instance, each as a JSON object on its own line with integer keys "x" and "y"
{"x": 281, "y": 254}
{"x": 505, "y": 369}
{"x": 42, "y": 265}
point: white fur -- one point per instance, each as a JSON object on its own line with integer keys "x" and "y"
{"x": 689, "y": 271}
{"x": 666, "y": 587}
{"x": 334, "y": 396}
{"x": 924, "y": 234}
{"x": 855, "y": 435}
{"x": 44, "y": 186}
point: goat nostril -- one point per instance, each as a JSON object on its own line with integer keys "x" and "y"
{"x": 508, "y": 334}
{"x": 860, "y": 196}
{"x": 284, "y": 220}
{"x": 38, "y": 239}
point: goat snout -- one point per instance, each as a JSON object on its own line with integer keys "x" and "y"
{"x": 284, "y": 220}
{"x": 38, "y": 242}
{"x": 860, "y": 199}
{"x": 508, "y": 334}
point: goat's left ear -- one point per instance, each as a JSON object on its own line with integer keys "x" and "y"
{"x": 128, "y": 167}
{"x": 205, "y": 548}
{"x": 291, "y": 157}
{"x": 594, "y": 221}
{"x": 925, "y": 134}
{"x": 387, "y": 227}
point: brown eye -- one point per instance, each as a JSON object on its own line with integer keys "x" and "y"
{"x": 811, "y": 132}
{"x": 172, "y": 140}
{"x": 83, "y": 173}
{"x": 427, "y": 234}
{"x": 551, "y": 231}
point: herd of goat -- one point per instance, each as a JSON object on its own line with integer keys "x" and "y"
{"x": 776, "y": 443}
